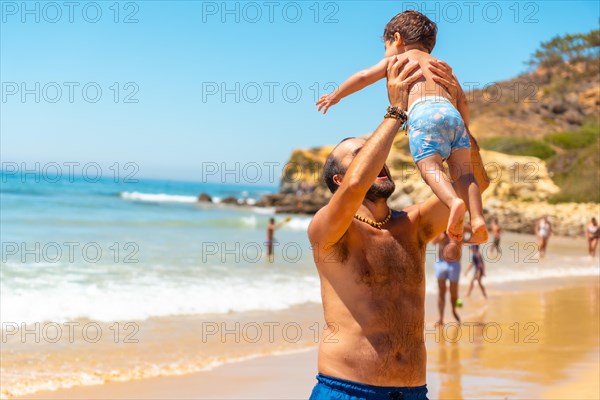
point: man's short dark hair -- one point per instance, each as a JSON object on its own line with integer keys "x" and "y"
{"x": 333, "y": 167}
{"x": 414, "y": 27}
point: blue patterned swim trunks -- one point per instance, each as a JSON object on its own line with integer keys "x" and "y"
{"x": 435, "y": 127}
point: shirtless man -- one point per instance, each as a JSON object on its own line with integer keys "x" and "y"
{"x": 271, "y": 227}
{"x": 373, "y": 279}
{"x": 270, "y": 237}
{"x": 447, "y": 268}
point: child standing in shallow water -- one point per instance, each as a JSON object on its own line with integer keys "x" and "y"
{"x": 479, "y": 273}
{"x": 436, "y": 130}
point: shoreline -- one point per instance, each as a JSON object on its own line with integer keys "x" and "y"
{"x": 295, "y": 367}
{"x": 251, "y": 377}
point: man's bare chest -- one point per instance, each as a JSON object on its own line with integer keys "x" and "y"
{"x": 385, "y": 258}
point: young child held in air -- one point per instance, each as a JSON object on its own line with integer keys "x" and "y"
{"x": 437, "y": 127}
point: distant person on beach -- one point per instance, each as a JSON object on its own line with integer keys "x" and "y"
{"x": 479, "y": 273}
{"x": 271, "y": 227}
{"x": 437, "y": 124}
{"x": 592, "y": 234}
{"x": 270, "y": 238}
{"x": 496, "y": 232}
{"x": 543, "y": 231}
{"x": 371, "y": 261}
{"x": 447, "y": 268}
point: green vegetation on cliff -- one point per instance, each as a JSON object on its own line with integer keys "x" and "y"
{"x": 576, "y": 169}
{"x": 570, "y": 140}
{"x": 563, "y": 51}
{"x": 556, "y": 120}
{"x": 573, "y": 159}
{"x": 518, "y": 146}
{"x": 577, "y": 176}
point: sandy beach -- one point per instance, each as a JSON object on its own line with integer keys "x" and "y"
{"x": 288, "y": 376}
{"x": 535, "y": 340}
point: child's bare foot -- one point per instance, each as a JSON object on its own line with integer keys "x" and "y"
{"x": 480, "y": 233}
{"x": 456, "y": 220}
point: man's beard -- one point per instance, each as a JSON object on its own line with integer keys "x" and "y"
{"x": 381, "y": 190}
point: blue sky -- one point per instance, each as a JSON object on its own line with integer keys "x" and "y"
{"x": 185, "y": 84}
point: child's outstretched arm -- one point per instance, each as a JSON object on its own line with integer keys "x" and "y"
{"x": 356, "y": 82}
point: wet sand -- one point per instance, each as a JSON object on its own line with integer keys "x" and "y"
{"x": 532, "y": 344}
{"x": 288, "y": 376}
{"x": 535, "y": 340}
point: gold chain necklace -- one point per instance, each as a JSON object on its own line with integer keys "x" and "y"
{"x": 374, "y": 224}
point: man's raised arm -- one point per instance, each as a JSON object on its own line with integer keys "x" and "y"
{"x": 333, "y": 220}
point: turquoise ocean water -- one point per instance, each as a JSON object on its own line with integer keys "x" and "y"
{"x": 111, "y": 251}
{"x": 120, "y": 251}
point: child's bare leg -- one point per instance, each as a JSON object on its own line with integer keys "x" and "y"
{"x": 482, "y": 288}
{"x": 432, "y": 171}
{"x": 470, "y": 287}
{"x": 461, "y": 171}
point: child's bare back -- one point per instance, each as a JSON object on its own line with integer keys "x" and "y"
{"x": 426, "y": 86}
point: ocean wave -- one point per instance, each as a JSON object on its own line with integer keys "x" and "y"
{"x": 264, "y": 210}
{"x": 158, "y": 197}
{"x": 67, "y": 301}
{"x": 542, "y": 273}
{"x": 174, "y": 198}
{"x": 502, "y": 274}
{"x": 249, "y": 221}
{"x": 298, "y": 223}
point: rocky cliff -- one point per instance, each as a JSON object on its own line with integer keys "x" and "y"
{"x": 519, "y": 189}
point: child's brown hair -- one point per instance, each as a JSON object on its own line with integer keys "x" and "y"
{"x": 414, "y": 27}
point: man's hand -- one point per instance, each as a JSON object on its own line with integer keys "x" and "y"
{"x": 399, "y": 82}
{"x": 442, "y": 75}
{"x": 326, "y": 101}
